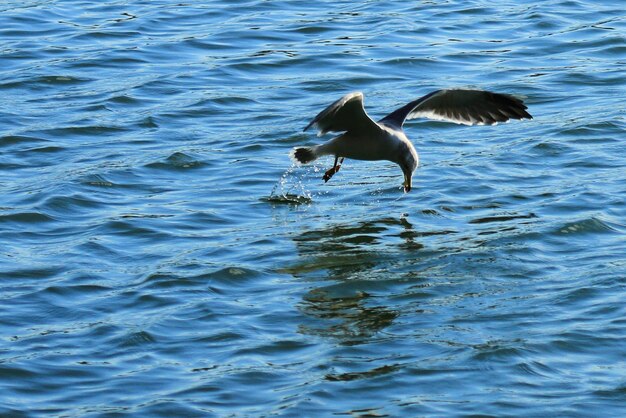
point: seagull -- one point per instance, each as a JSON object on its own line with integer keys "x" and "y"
{"x": 364, "y": 139}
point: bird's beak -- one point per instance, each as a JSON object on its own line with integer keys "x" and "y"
{"x": 407, "y": 182}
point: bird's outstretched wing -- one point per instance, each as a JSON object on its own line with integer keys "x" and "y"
{"x": 467, "y": 107}
{"x": 346, "y": 114}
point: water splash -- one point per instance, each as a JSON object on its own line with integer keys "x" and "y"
{"x": 290, "y": 188}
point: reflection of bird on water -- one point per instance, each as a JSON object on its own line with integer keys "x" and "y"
{"x": 352, "y": 262}
{"x": 364, "y": 139}
{"x": 344, "y": 313}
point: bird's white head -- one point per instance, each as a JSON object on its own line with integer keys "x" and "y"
{"x": 408, "y": 160}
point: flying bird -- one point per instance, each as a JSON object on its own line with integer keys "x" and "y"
{"x": 364, "y": 139}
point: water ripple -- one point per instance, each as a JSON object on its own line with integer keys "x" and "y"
{"x": 162, "y": 255}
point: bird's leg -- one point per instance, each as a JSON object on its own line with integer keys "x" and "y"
{"x": 328, "y": 174}
{"x": 333, "y": 170}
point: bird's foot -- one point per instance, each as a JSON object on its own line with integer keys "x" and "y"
{"x": 328, "y": 174}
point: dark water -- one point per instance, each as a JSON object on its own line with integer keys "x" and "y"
{"x": 148, "y": 270}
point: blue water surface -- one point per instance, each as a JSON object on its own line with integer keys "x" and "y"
{"x": 161, "y": 256}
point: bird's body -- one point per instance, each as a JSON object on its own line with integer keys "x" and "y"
{"x": 369, "y": 146}
{"x": 364, "y": 139}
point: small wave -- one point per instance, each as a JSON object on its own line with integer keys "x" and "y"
{"x": 85, "y": 131}
{"x": 60, "y": 79}
{"x": 134, "y": 229}
{"x": 585, "y": 226}
{"x": 26, "y": 217}
{"x": 65, "y": 205}
{"x": 96, "y": 180}
{"x": 231, "y": 275}
{"x": 136, "y": 339}
{"x": 617, "y": 392}
{"x": 504, "y": 218}
{"x": 177, "y": 160}
{"x": 48, "y": 149}
{"x": 368, "y": 374}
{"x": 7, "y": 141}
{"x": 124, "y": 99}
{"x": 493, "y": 350}
{"x": 288, "y": 199}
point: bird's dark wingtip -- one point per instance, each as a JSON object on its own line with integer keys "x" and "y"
{"x": 525, "y": 114}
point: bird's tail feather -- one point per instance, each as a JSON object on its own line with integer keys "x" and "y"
{"x": 304, "y": 155}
